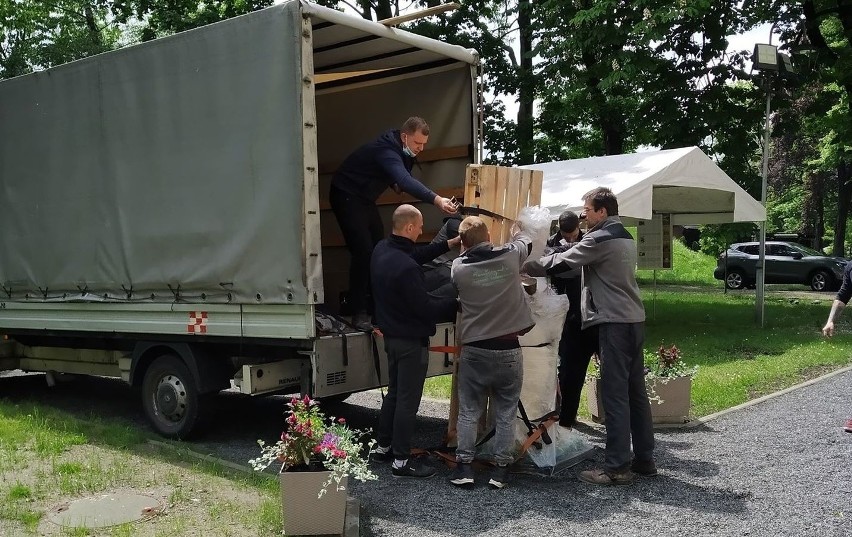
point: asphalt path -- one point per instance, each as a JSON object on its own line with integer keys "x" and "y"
{"x": 780, "y": 467}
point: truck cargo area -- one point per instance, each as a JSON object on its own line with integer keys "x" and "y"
{"x": 166, "y": 215}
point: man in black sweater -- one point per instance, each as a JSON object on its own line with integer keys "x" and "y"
{"x": 405, "y": 313}
{"x": 576, "y": 345}
{"x": 370, "y": 170}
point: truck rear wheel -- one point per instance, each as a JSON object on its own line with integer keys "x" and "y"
{"x": 170, "y": 397}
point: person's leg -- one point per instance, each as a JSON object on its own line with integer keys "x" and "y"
{"x": 355, "y": 219}
{"x": 616, "y": 350}
{"x": 641, "y": 422}
{"x": 508, "y": 378}
{"x": 473, "y": 370}
{"x": 385, "y": 435}
{"x": 579, "y": 345}
{"x": 412, "y": 363}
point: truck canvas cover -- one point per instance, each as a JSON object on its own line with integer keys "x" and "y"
{"x": 175, "y": 170}
{"x": 159, "y": 170}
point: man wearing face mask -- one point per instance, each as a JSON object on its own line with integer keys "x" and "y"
{"x": 372, "y": 168}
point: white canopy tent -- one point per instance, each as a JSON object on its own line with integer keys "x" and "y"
{"x": 683, "y": 182}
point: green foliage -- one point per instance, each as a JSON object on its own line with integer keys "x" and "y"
{"x": 37, "y": 35}
{"x": 633, "y": 73}
{"x": 785, "y": 213}
{"x": 166, "y": 17}
{"x": 715, "y": 238}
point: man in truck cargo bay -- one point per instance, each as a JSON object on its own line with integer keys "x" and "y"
{"x": 372, "y": 168}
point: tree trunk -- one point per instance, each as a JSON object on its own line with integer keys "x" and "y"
{"x": 613, "y": 137}
{"x": 844, "y": 200}
{"x": 813, "y": 209}
{"x": 526, "y": 89}
{"x": 384, "y": 10}
{"x": 92, "y": 25}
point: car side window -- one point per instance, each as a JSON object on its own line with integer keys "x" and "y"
{"x": 750, "y": 249}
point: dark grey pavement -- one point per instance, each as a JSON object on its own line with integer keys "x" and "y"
{"x": 780, "y": 467}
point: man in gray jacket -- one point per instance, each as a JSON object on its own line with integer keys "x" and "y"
{"x": 611, "y": 302}
{"x": 494, "y": 312}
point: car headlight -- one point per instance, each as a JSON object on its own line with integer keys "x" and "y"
{"x": 840, "y": 264}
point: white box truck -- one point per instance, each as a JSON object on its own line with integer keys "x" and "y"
{"x": 163, "y": 207}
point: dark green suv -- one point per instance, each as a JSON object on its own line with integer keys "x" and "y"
{"x": 786, "y": 262}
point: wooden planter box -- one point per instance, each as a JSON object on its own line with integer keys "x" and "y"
{"x": 674, "y": 408}
{"x": 304, "y": 513}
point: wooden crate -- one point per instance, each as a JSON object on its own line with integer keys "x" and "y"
{"x": 503, "y": 191}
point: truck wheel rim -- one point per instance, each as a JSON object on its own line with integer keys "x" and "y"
{"x": 170, "y": 398}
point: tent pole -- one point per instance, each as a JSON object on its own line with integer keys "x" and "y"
{"x": 655, "y": 295}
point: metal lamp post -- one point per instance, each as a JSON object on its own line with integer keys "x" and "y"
{"x": 766, "y": 58}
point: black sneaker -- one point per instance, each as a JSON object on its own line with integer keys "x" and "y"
{"x": 463, "y": 475}
{"x": 381, "y": 454}
{"x": 414, "y": 468}
{"x": 499, "y": 477}
{"x": 645, "y": 468}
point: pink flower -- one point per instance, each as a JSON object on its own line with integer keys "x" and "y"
{"x": 341, "y": 420}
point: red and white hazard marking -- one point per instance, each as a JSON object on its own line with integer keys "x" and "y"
{"x": 197, "y": 322}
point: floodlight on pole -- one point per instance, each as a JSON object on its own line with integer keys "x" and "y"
{"x": 765, "y": 58}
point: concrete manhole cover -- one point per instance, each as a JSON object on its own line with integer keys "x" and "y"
{"x": 104, "y": 510}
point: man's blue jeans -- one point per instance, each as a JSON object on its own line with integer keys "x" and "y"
{"x": 499, "y": 373}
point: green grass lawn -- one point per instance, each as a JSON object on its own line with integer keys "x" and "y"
{"x": 48, "y": 456}
{"x": 737, "y": 360}
{"x": 688, "y": 268}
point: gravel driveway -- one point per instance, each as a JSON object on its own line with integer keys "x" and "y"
{"x": 776, "y": 468}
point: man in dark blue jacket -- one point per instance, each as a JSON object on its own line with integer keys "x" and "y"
{"x": 405, "y": 314}
{"x": 373, "y": 168}
{"x": 576, "y": 345}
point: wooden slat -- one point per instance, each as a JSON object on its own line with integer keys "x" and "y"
{"x": 471, "y": 185}
{"x": 535, "y": 187}
{"x": 501, "y": 227}
{"x": 427, "y": 155}
{"x": 525, "y": 188}
{"x": 392, "y": 198}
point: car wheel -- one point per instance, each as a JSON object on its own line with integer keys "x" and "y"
{"x": 735, "y": 279}
{"x": 821, "y": 281}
